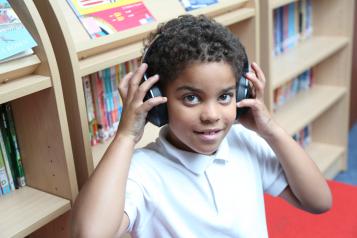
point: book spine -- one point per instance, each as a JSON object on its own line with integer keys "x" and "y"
{"x": 7, "y": 164}
{"x": 20, "y": 174}
{"x": 4, "y": 181}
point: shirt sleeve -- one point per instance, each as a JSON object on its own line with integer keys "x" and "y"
{"x": 273, "y": 176}
{"x": 134, "y": 202}
{"x": 136, "y": 197}
{"x": 272, "y": 173}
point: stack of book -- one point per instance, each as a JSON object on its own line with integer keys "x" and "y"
{"x": 12, "y": 174}
{"x": 284, "y": 93}
{"x": 292, "y": 23}
{"x": 15, "y": 40}
{"x": 103, "y": 102}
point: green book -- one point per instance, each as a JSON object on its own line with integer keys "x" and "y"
{"x": 10, "y": 140}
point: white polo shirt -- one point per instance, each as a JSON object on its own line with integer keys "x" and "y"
{"x": 175, "y": 193}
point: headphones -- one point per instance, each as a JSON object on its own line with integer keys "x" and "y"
{"x": 158, "y": 115}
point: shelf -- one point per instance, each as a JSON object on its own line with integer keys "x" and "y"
{"x": 327, "y": 157}
{"x": 85, "y": 46}
{"x": 21, "y": 87}
{"x": 307, "y": 106}
{"x": 18, "y": 67}
{"x": 279, "y": 3}
{"x": 306, "y": 55}
{"x": 25, "y": 210}
{"x": 134, "y": 50}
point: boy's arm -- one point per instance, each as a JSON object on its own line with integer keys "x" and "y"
{"x": 307, "y": 187}
{"x": 99, "y": 208}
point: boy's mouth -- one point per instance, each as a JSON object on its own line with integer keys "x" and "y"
{"x": 208, "y": 132}
{"x": 209, "y": 135}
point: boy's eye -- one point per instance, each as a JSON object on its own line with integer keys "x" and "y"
{"x": 226, "y": 98}
{"x": 191, "y": 99}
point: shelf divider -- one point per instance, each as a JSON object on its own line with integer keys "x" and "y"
{"x": 21, "y": 87}
{"x": 302, "y": 109}
{"x": 306, "y": 55}
{"x": 27, "y": 209}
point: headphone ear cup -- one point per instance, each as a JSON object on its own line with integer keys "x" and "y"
{"x": 243, "y": 91}
{"x": 157, "y": 115}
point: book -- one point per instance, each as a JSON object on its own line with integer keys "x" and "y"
{"x": 7, "y": 163}
{"x": 4, "y": 181}
{"x": 104, "y": 17}
{"x": 8, "y": 123}
{"x": 190, "y": 5}
{"x": 14, "y": 38}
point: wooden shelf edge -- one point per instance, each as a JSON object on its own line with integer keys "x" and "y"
{"x": 110, "y": 58}
{"x": 235, "y": 16}
{"x": 96, "y": 46}
{"x": 21, "y": 87}
{"x": 327, "y": 157}
{"x": 306, "y": 55}
{"x": 279, "y": 3}
{"x": 314, "y": 102}
{"x": 18, "y": 67}
{"x": 27, "y": 209}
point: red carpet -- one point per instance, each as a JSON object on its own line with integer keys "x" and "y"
{"x": 285, "y": 221}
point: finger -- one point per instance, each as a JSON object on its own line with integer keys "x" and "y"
{"x": 152, "y": 102}
{"x": 145, "y": 87}
{"x": 251, "y": 103}
{"x": 123, "y": 85}
{"x": 136, "y": 79}
{"x": 258, "y": 71}
{"x": 258, "y": 86}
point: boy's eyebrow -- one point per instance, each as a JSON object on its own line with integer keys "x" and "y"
{"x": 192, "y": 89}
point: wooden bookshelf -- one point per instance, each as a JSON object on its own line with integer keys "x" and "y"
{"x": 325, "y": 105}
{"x": 32, "y": 85}
{"x": 80, "y": 55}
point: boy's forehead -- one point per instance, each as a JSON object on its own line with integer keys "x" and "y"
{"x": 200, "y": 75}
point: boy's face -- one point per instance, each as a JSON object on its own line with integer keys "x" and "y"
{"x": 201, "y": 106}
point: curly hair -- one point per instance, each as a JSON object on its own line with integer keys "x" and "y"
{"x": 188, "y": 39}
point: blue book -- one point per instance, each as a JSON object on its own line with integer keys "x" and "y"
{"x": 190, "y": 5}
{"x": 14, "y": 38}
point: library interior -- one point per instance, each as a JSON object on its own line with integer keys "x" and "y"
{"x": 62, "y": 63}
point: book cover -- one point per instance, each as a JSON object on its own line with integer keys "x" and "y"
{"x": 190, "y": 5}
{"x": 103, "y": 17}
{"x": 14, "y": 38}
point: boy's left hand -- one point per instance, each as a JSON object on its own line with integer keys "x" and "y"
{"x": 258, "y": 118}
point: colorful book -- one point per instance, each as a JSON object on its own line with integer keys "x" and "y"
{"x": 14, "y": 38}
{"x": 104, "y": 17}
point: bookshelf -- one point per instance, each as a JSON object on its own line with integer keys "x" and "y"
{"x": 79, "y": 55}
{"x": 32, "y": 86}
{"x": 325, "y": 105}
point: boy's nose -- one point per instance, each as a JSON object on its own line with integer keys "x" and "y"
{"x": 209, "y": 113}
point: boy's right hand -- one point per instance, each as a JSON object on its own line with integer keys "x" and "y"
{"x": 135, "y": 110}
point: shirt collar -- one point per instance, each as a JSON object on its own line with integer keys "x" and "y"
{"x": 195, "y": 162}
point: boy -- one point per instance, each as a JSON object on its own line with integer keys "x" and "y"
{"x": 206, "y": 174}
